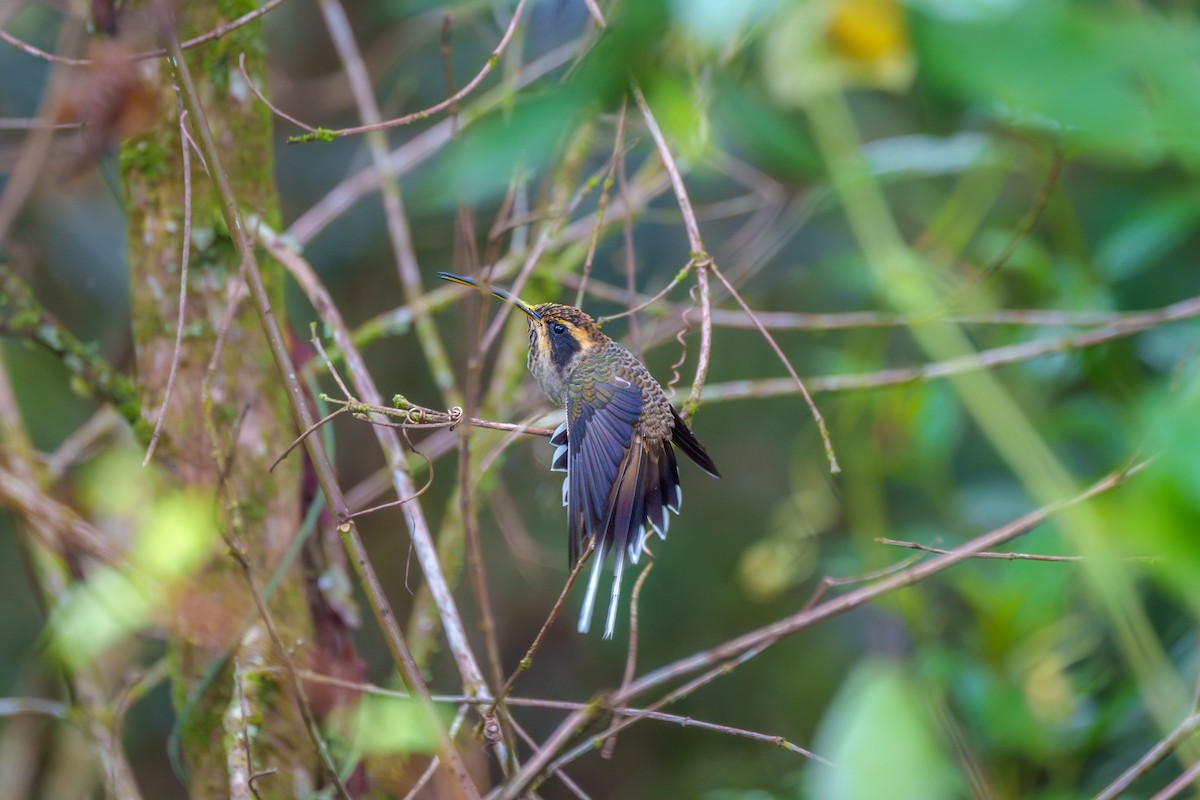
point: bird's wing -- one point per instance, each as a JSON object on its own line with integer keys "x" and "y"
{"x": 601, "y": 418}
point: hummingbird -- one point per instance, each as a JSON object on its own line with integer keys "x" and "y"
{"x": 617, "y": 443}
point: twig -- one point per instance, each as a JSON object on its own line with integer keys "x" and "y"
{"x": 22, "y": 316}
{"x": 683, "y": 691}
{"x": 276, "y": 110}
{"x": 1180, "y": 784}
{"x": 527, "y": 661}
{"x": 602, "y": 204}
{"x": 610, "y": 743}
{"x": 635, "y": 328}
{"x": 459, "y": 717}
{"x": 184, "y": 256}
{"x": 27, "y": 124}
{"x": 33, "y": 706}
{"x": 1152, "y": 757}
{"x": 76, "y": 447}
{"x": 854, "y": 320}
{"x": 653, "y": 299}
{"x": 829, "y": 581}
{"x": 1002, "y": 556}
{"x": 36, "y": 147}
{"x": 1024, "y": 227}
{"x": 402, "y": 501}
{"x": 342, "y": 197}
{"x": 594, "y": 9}
{"x": 699, "y": 257}
{"x": 39, "y": 53}
{"x": 983, "y": 359}
{"x": 571, "y": 785}
{"x": 52, "y": 587}
{"x": 436, "y": 108}
{"x": 303, "y": 417}
{"x": 829, "y": 454}
{"x": 215, "y": 33}
{"x": 310, "y": 430}
{"x": 415, "y": 416}
{"x": 71, "y": 533}
{"x": 399, "y": 233}
{"x": 846, "y": 602}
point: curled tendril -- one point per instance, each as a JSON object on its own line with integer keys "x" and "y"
{"x": 456, "y": 415}
{"x": 414, "y": 416}
{"x": 679, "y": 337}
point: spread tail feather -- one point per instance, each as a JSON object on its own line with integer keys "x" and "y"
{"x": 614, "y": 600}
{"x": 589, "y": 599}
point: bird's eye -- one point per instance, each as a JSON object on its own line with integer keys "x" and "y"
{"x": 559, "y": 328}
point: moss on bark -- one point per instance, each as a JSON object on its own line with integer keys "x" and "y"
{"x": 225, "y": 445}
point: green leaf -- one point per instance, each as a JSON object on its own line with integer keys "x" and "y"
{"x": 881, "y": 737}
{"x": 1107, "y": 80}
{"x": 392, "y": 725}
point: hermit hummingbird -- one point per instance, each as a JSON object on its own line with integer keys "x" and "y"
{"x": 615, "y": 444}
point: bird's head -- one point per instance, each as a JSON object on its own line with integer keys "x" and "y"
{"x": 557, "y": 333}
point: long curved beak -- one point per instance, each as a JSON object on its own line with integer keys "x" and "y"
{"x": 500, "y": 293}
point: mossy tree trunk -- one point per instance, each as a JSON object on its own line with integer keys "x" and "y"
{"x": 223, "y": 429}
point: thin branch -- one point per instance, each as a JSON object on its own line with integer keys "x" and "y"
{"x": 984, "y": 359}
{"x": 23, "y": 317}
{"x": 1152, "y": 758}
{"x": 459, "y": 717}
{"x": 342, "y": 197}
{"x": 602, "y": 204}
{"x": 276, "y": 110}
{"x": 527, "y": 661}
{"x": 79, "y": 445}
{"x": 699, "y": 257}
{"x": 597, "y": 17}
{"x": 829, "y": 581}
{"x": 610, "y": 743}
{"x": 31, "y": 159}
{"x": 33, "y": 706}
{"x": 1023, "y": 229}
{"x": 436, "y": 108}
{"x": 854, "y": 320}
{"x": 571, "y": 785}
{"x": 39, "y": 53}
{"x": 829, "y": 454}
{"x": 402, "y": 501}
{"x": 1002, "y": 556}
{"x": 409, "y": 670}
{"x": 215, "y": 33}
{"x": 415, "y": 416}
{"x": 184, "y": 256}
{"x": 35, "y": 123}
{"x": 839, "y": 605}
{"x": 1187, "y": 778}
{"x": 71, "y": 532}
{"x": 399, "y": 232}
{"x": 649, "y": 301}
{"x": 309, "y": 431}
